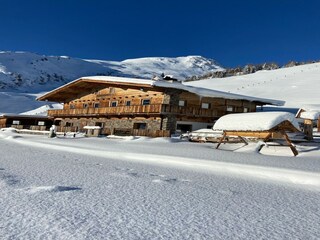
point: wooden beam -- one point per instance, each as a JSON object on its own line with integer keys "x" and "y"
{"x": 254, "y": 134}
{"x": 266, "y": 136}
{"x": 223, "y": 136}
{"x": 293, "y": 148}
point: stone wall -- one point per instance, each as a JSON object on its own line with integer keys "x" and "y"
{"x": 110, "y": 124}
{"x": 171, "y": 97}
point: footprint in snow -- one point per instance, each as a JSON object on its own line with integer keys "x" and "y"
{"x": 52, "y": 189}
{"x": 229, "y": 192}
{"x": 165, "y": 179}
{"x": 128, "y": 172}
{"x": 9, "y": 179}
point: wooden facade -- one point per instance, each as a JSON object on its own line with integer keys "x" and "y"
{"x": 32, "y": 122}
{"x": 121, "y": 107}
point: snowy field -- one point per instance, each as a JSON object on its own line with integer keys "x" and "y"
{"x": 298, "y": 86}
{"x": 141, "y": 188}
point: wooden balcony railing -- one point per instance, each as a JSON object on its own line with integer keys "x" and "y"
{"x": 137, "y": 110}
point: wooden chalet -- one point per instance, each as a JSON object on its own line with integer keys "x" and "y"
{"x": 142, "y": 107}
{"x": 19, "y": 121}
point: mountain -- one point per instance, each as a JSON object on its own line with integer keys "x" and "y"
{"x": 299, "y": 86}
{"x": 30, "y": 72}
{"x": 24, "y": 76}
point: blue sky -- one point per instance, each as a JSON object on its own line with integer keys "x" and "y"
{"x": 231, "y": 32}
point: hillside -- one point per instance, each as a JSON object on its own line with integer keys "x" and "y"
{"x": 30, "y": 72}
{"x": 298, "y": 86}
{"x": 24, "y": 76}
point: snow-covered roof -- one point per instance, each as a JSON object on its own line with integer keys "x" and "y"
{"x": 313, "y": 114}
{"x": 92, "y": 127}
{"x": 257, "y": 121}
{"x": 204, "y": 92}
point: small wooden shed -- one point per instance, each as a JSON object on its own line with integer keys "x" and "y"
{"x": 260, "y": 125}
{"x": 310, "y": 117}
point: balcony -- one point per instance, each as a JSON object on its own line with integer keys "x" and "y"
{"x": 153, "y": 109}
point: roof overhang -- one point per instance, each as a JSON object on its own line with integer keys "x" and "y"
{"x": 86, "y": 85}
{"x": 83, "y": 86}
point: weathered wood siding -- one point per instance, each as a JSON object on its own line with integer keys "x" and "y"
{"x": 106, "y": 96}
{"x": 3, "y": 122}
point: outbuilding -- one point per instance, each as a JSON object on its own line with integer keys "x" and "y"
{"x": 260, "y": 125}
{"x": 19, "y": 121}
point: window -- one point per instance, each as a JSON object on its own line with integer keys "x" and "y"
{"x": 114, "y": 103}
{"x": 183, "y": 128}
{"x": 128, "y": 103}
{"x": 182, "y": 103}
{"x": 229, "y": 108}
{"x": 139, "y": 126}
{"x": 41, "y": 123}
{"x": 15, "y": 122}
{"x": 146, "y": 102}
{"x": 85, "y": 105}
{"x": 245, "y": 109}
{"x": 96, "y": 105}
{"x": 205, "y": 105}
{"x": 100, "y": 124}
{"x": 69, "y": 124}
{"x": 72, "y": 106}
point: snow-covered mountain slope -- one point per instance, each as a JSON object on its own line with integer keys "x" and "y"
{"x": 180, "y": 67}
{"x": 30, "y": 72}
{"x": 23, "y": 74}
{"x": 299, "y": 86}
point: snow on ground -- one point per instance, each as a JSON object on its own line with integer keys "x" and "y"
{"x": 142, "y": 188}
{"x": 298, "y": 86}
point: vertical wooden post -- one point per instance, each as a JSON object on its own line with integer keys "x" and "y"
{"x": 308, "y": 129}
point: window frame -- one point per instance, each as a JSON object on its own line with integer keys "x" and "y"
{"x": 145, "y": 104}
{"x": 113, "y": 103}
{"x": 41, "y": 123}
{"x": 96, "y": 105}
{"x": 205, "y": 105}
{"x": 230, "y": 108}
{"x": 16, "y": 122}
{"x": 182, "y": 103}
{"x": 128, "y": 103}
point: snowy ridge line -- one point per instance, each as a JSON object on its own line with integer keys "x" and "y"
{"x": 302, "y": 178}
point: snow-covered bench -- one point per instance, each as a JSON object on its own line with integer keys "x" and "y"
{"x": 261, "y": 125}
